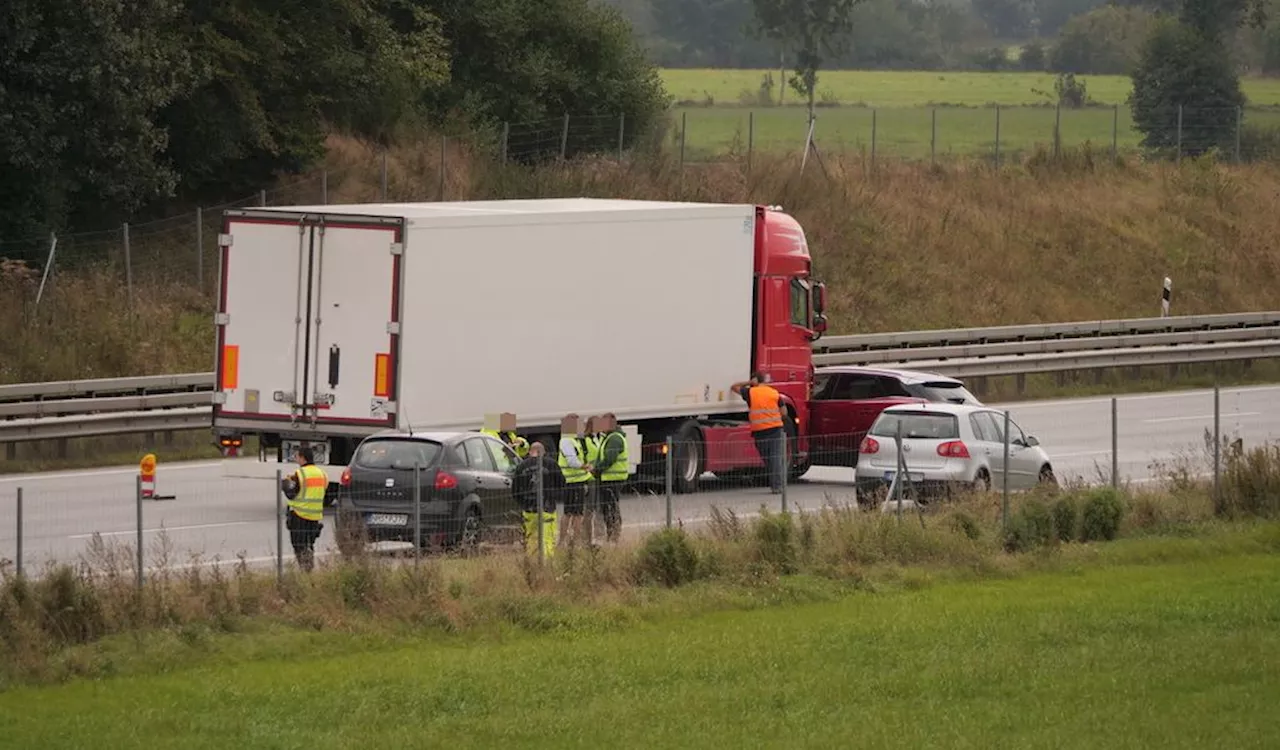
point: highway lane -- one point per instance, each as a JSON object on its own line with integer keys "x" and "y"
{"x": 217, "y": 513}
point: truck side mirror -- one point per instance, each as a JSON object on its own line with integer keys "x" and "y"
{"x": 819, "y": 298}
{"x": 819, "y": 324}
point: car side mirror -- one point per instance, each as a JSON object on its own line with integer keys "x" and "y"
{"x": 1031, "y": 441}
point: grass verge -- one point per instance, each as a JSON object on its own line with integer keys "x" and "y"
{"x": 1182, "y": 648}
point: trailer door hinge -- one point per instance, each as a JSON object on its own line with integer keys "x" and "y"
{"x": 393, "y": 328}
{"x": 225, "y": 240}
{"x": 222, "y": 319}
{"x": 397, "y": 248}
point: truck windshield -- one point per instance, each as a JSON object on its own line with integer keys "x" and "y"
{"x": 396, "y": 454}
{"x": 917, "y": 426}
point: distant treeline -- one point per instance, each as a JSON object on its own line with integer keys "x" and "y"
{"x": 109, "y": 108}
{"x": 1077, "y": 36}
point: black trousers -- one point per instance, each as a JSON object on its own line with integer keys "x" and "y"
{"x": 611, "y": 509}
{"x": 303, "y": 534}
{"x": 772, "y": 450}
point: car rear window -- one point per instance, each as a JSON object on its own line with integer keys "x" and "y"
{"x": 917, "y": 425}
{"x": 396, "y": 454}
{"x": 942, "y": 392}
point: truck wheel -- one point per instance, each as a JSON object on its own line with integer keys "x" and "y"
{"x": 687, "y": 461}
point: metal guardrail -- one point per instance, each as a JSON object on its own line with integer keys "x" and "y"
{"x": 116, "y": 406}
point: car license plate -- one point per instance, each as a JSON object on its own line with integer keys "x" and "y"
{"x": 911, "y": 475}
{"x": 388, "y": 519}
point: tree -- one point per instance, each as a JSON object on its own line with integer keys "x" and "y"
{"x": 809, "y": 31}
{"x": 81, "y": 83}
{"x": 1006, "y": 19}
{"x": 1103, "y": 41}
{"x": 1182, "y": 69}
{"x": 522, "y": 62}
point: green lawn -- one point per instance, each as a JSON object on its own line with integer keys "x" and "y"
{"x": 911, "y": 132}
{"x": 920, "y": 88}
{"x": 1161, "y": 655}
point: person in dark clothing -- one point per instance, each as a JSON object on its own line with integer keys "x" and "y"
{"x": 524, "y": 486}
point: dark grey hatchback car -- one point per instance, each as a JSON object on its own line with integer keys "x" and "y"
{"x": 463, "y": 482}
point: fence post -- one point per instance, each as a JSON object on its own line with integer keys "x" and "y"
{"x": 128, "y": 265}
{"x": 44, "y": 277}
{"x": 444, "y": 148}
{"x": 324, "y": 187}
{"x": 564, "y": 138}
{"x": 384, "y": 175}
{"x": 506, "y": 140}
{"x": 997, "y": 136}
{"x": 1217, "y": 442}
{"x": 622, "y": 141}
{"x": 137, "y": 497}
{"x": 684, "y": 129}
{"x": 751, "y": 137}
{"x": 1179, "y": 133}
{"x": 784, "y": 459}
{"x": 279, "y": 526}
{"x": 262, "y": 198}
{"x": 1057, "y": 131}
{"x": 199, "y": 247}
{"x": 540, "y": 499}
{"x": 874, "y": 133}
{"x": 900, "y": 466}
{"x": 1239, "y": 128}
{"x": 1004, "y": 475}
{"x": 1115, "y": 441}
{"x": 417, "y": 514}
{"x": 1115, "y": 133}
{"x": 18, "y": 561}
{"x": 670, "y": 467}
{"x": 933, "y": 136}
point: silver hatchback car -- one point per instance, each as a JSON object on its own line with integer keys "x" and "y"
{"x": 948, "y": 447}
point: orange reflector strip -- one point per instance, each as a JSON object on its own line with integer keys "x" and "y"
{"x": 382, "y": 375}
{"x": 230, "y": 367}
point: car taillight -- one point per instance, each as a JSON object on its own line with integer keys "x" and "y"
{"x": 869, "y": 445}
{"x": 445, "y": 480}
{"x": 346, "y": 477}
{"x": 953, "y": 449}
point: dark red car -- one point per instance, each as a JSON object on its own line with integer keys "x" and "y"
{"x": 847, "y": 399}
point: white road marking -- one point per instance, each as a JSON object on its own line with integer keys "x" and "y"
{"x": 87, "y": 473}
{"x": 1161, "y": 420}
{"x": 132, "y": 532}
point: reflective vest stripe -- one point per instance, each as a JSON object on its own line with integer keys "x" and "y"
{"x": 765, "y": 414}
{"x": 310, "y": 501}
{"x": 618, "y": 471}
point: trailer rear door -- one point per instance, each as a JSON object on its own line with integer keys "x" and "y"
{"x": 308, "y": 323}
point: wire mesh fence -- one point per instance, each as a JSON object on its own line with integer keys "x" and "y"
{"x": 475, "y": 497}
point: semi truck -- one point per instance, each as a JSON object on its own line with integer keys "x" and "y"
{"x": 336, "y": 322}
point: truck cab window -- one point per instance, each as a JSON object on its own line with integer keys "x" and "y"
{"x": 800, "y": 303}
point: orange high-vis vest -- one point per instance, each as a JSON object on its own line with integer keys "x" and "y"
{"x": 765, "y": 414}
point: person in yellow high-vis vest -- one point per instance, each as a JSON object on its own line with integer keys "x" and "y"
{"x": 305, "y": 490}
{"x": 611, "y": 470}
{"x": 575, "y": 464}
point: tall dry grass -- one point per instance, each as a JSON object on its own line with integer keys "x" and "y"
{"x": 901, "y": 246}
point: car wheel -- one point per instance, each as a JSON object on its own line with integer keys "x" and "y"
{"x": 469, "y": 535}
{"x": 1047, "y": 478}
{"x": 982, "y": 482}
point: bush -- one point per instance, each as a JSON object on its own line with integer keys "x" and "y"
{"x": 963, "y": 523}
{"x": 1066, "y": 517}
{"x": 1033, "y": 57}
{"x": 1259, "y": 143}
{"x": 1100, "y": 520}
{"x": 1250, "y": 484}
{"x": 668, "y": 558}
{"x": 775, "y": 542}
{"x": 1029, "y": 528}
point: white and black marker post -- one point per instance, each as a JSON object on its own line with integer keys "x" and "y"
{"x": 1165, "y": 296}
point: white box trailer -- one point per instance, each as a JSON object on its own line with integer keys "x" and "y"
{"x": 336, "y": 322}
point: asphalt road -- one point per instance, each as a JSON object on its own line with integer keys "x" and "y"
{"x": 217, "y": 514}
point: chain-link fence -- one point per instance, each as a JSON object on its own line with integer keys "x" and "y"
{"x": 471, "y": 495}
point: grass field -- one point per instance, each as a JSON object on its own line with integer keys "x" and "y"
{"x": 920, "y": 88}
{"x": 1174, "y": 652}
{"x": 720, "y": 107}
